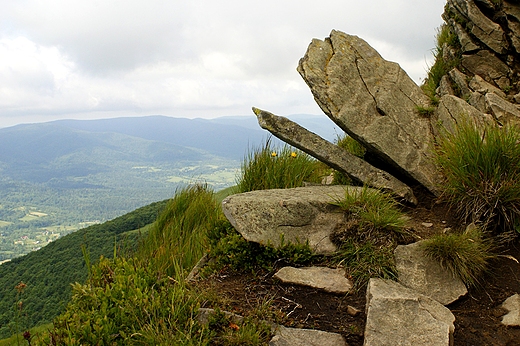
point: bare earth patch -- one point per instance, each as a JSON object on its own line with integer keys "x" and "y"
{"x": 478, "y": 314}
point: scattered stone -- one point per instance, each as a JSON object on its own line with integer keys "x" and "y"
{"x": 512, "y": 305}
{"x": 326, "y": 279}
{"x": 298, "y": 215}
{"x": 352, "y": 311}
{"x": 426, "y": 276}
{"x": 334, "y": 156}
{"x": 374, "y": 101}
{"x": 427, "y": 224}
{"x": 305, "y": 337}
{"x": 194, "y": 273}
{"x": 397, "y": 315}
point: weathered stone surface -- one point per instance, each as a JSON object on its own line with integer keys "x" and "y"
{"x": 479, "y": 85}
{"x": 512, "y": 12}
{"x": 323, "y": 278}
{"x": 334, "y": 156}
{"x": 445, "y": 87}
{"x": 397, "y": 315}
{"x": 504, "y": 112}
{"x": 374, "y": 101}
{"x": 426, "y": 276}
{"x": 486, "y": 65}
{"x": 300, "y": 214}
{"x": 451, "y": 111}
{"x": 487, "y": 31}
{"x": 459, "y": 79}
{"x": 305, "y": 337}
{"x": 512, "y": 304}
{"x": 466, "y": 43}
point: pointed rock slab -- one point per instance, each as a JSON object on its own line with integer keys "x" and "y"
{"x": 323, "y": 278}
{"x": 305, "y": 337}
{"x": 374, "y": 101}
{"x": 397, "y": 315}
{"x": 512, "y": 304}
{"x": 426, "y": 276}
{"x": 334, "y": 156}
{"x": 299, "y": 214}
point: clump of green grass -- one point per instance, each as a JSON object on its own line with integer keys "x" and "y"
{"x": 466, "y": 255}
{"x": 481, "y": 168}
{"x": 366, "y": 260}
{"x": 445, "y": 38}
{"x": 353, "y": 147}
{"x": 374, "y": 209}
{"x": 268, "y": 167}
{"x": 180, "y": 234}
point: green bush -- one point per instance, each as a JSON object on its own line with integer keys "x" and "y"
{"x": 232, "y": 250}
{"x": 481, "y": 168}
{"x": 276, "y": 168}
{"x": 465, "y": 255}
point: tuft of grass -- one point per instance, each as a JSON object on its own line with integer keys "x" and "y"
{"x": 366, "y": 260}
{"x": 445, "y": 38}
{"x": 465, "y": 255}
{"x": 268, "y": 167}
{"x": 180, "y": 234}
{"x": 375, "y": 209}
{"x": 355, "y": 148}
{"x": 481, "y": 168}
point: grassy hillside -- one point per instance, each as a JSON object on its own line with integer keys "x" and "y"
{"x": 49, "y": 272}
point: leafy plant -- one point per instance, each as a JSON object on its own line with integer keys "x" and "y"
{"x": 481, "y": 168}
{"x": 276, "y": 168}
{"x": 466, "y": 255}
{"x": 231, "y": 249}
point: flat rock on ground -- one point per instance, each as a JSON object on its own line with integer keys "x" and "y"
{"x": 327, "y": 279}
{"x": 426, "y": 276}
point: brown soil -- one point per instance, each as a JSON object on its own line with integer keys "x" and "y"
{"x": 477, "y": 314}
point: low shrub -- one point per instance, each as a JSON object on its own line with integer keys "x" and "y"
{"x": 481, "y": 169}
{"x": 466, "y": 255}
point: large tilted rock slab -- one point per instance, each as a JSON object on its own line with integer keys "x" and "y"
{"x": 323, "y": 278}
{"x": 426, "y": 276}
{"x": 334, "y": 156}
{"x": 299, "y": 214}
{"x": 397, "y": 315}
{"x": 305, "y": 337}
{"x": 374, "y": 101}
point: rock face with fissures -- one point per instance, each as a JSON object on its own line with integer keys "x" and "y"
{"x": 374, "y": 101}
{"x": 295, "y": 215}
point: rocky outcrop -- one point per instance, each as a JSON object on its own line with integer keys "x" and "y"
{"x": 374, "y": 101}
{"x": 426, "y": 276}
{"x": 397, "y": 315}
{"x": 298, "y": 215}
{"x": 323, "y": 278}
{"x": 334, "y": 156}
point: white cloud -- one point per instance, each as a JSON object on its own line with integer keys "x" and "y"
{"x": 101, "y": 58}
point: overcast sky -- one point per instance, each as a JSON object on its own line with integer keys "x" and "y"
{"x": 89, "y": 59}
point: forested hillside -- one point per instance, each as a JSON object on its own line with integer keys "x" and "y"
{"x": 49, "y": 272}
